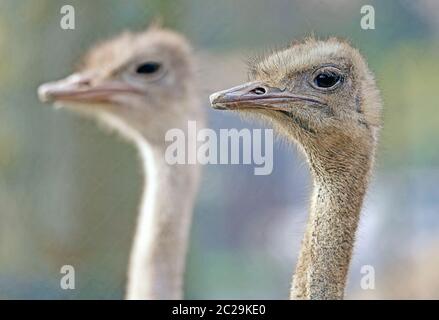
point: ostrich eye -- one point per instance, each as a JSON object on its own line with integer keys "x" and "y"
{"x": 327, "y": 79}
{"x": 148, "y": 68}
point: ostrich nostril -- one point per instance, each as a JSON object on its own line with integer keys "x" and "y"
{"x": 259, "y": 91}
{"x": 85, "y": 83}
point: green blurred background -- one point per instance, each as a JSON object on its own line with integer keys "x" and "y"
{"x": 69, "y": 192}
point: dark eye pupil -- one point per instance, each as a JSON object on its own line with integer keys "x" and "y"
{"x": 326, "y": 80}
{"x": 148, "y": 67}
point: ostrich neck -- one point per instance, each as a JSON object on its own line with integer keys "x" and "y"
{"x": 158, "y": 255}
{"x": 339, "y": 183}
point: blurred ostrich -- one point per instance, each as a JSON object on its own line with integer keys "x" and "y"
{"x": 142, "y": 84}
{"x": 321, "y": 96}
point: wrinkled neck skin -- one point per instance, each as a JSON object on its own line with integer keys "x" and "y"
{"x": 340, "y": 177}
{"x": 157, "y": 262}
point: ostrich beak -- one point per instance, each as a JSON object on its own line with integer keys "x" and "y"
{"x": 256, "y": 95}
{"x": 79, "y": 88}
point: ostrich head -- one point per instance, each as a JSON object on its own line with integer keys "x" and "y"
{"x": 319, "y": 93}
{"x": 136, "y": 82}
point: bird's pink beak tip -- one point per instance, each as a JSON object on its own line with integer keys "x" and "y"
{"x": 44, "y": 92}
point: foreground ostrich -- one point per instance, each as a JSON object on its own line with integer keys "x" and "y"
{"x": 143, "y": 85}
{"x": 322, "y": 96}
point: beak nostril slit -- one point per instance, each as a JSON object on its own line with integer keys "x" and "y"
{"x": 259, "y": 91}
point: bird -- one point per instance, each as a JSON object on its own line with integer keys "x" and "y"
{"x": 320, "y": 95}
{"x": 140, "y": 85}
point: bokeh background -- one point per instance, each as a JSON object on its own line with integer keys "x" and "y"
{"x": 69, "y": 192}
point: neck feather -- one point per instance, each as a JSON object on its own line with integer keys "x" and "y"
{"x": 339, "y": 185}
{"x": 157, "y": 261}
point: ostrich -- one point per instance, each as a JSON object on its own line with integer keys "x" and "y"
{"x": 321, "y": 96}
{"x": 141, "y": 85}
